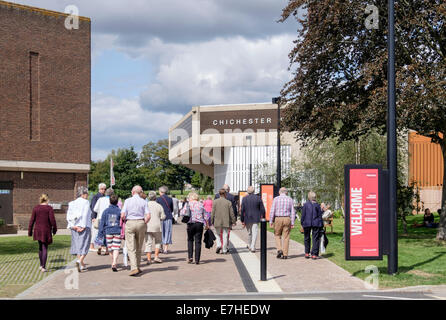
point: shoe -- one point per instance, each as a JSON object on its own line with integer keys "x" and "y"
{"x": 315, "y": 257}
{"x": 197, "y": 262}
{"x": 279, "y": 254}
{"x": 114, "y": 269}
{"x": 149, "y": 262}
{"x": 43, "y": 270}
{"x": 99, "y": 252}
{"x": 307, "y": 256}
{"x": 218, "y": 250}
{"x": 253, "y": 250}
{"x": 284, "y": 257}
{"x": 83, "y": 268}
{"x": 78, "y": 265}
{"x": 190, "y": 260}
{"x": 158, "y": 260}
{"x": 134, "y": 273}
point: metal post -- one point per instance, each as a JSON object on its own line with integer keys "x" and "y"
{"x": 392, "y": 262}
{"x": 263, "y": 250}
{"x": 250, "y": 160}
{"x": 279, "y": 164}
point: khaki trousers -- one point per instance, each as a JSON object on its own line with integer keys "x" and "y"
{"x": 135, "y": 232}
{"x": 282, "y": 228}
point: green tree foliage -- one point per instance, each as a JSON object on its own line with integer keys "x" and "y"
{"x": 151, "y": 169}
{"x": 339, "y": 85}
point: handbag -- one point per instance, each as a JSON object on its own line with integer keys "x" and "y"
{"x": 186, "y": 215}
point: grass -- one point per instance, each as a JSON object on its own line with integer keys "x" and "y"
{"x": 422, "y": 259}
{"x": 19, "y": 262}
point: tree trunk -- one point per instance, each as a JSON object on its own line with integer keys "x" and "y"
{"x": 441, "y": 234}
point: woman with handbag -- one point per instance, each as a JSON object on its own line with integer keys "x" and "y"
{"x": 44, "y": 224}
{"x": 154, "y": 230}
{"x": 197, "y": 220}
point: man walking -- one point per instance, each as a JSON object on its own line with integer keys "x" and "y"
{"x": 229, "y": 197}
{"x": 133, "y": 212}
{"x": 282, "y": 218}
{"x": 222, "y": 218}
{"x": 252, "y": 212}
{"x": 312, "y": 223}
{"x": 94, "y": 231}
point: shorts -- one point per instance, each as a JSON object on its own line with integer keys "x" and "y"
{"x": 113, "y": 242}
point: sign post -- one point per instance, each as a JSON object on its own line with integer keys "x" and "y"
{"x": 363, "y": 212}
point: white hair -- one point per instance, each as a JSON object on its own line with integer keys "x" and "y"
{"x": 81, "y": 191}
{"x": 137, "y": 189}
{"x": 102, "y": 186}
{"x": 250, "y": 190}
{"x": 152, "y": 195}
{"x": 311, "y": 196}
{"x": 163, "y": 189}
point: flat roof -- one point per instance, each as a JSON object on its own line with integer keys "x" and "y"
{"x": 39, "y": 10}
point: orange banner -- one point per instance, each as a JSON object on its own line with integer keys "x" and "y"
{"x": 267, "y": 194}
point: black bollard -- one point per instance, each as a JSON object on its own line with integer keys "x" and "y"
{"x": 263, "y": 250}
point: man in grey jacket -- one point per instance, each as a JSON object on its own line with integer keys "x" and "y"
{"x": 222, "y": 218}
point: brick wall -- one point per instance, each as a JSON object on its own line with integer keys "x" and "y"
{"x": 44, "y": 88}
{"x": 60, "y": 187}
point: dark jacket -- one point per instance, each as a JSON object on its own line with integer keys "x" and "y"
{"x": 231, "y": 198}
{"x": 311, "y": 215}
{"x": 95, "y": 199}
{"x": 253, "y": 209}
{"x": 44, "y": 224}
{"x": 209, "y": 239}
{"x": 167, "y": 204}
{"x": 110, "y": 222}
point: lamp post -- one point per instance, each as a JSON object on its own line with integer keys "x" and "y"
{"x": 250, "y": 159}
{"x": 392, "y": 261}
{"x": 279, "y": 165}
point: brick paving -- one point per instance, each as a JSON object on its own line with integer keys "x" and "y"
{"x": 218, "y": 274}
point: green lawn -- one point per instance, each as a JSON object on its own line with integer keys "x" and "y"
{"x": 422, "y": 259}
{"x": 19, "y": 262}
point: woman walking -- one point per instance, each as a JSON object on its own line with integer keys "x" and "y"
{"x": 207, "y": 204}
{"x": 79, "y": 221}
{"x": 110, "y": 229}
{"x": 45, "y": 227}
{"x": 154, "y": 230}
{"x": 195, "y": 227}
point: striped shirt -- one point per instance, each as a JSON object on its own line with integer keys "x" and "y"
{"x": 197, "y": 213}
{"x": 283, "y": 206}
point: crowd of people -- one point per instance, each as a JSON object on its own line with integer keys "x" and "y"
{"x": 144, "y": 224}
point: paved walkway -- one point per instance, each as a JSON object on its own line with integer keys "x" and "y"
{"x": 233, "y": 274}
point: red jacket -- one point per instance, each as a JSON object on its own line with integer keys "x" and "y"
{"x": 45, "y": 224}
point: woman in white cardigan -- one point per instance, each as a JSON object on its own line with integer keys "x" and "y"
{"x": 154, "y": 231}
{"x": 79, "y": 221}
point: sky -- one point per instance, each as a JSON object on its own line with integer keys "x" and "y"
{"x": 152, "y": 60}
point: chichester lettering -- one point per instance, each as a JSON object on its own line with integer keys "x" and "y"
{"x": 244, "y": 121}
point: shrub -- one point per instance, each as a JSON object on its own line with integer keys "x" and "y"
{"x": 2, "y": 222}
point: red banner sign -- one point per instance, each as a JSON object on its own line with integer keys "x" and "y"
{"x": 362, "y": 227}
{"x": 267, "y": 193}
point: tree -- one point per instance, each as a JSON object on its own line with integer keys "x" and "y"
{"x": 127, "y": 172}
{"x": 339, "y": 85}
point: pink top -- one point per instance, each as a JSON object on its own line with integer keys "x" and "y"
{"x": 207, "y": 205}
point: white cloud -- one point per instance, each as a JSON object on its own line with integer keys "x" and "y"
{"x": 221, "y": 71}
{"x": 121, "y": 123}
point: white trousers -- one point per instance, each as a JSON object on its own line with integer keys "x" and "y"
{"x": 222, "y": 236}
{"x": 253, "y": 230}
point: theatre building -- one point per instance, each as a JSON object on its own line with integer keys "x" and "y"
{"x": 44, "y": 110}
{"x": 220, "y": 141}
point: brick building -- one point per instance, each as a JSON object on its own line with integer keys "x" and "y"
{"x": 45, "y": 108}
